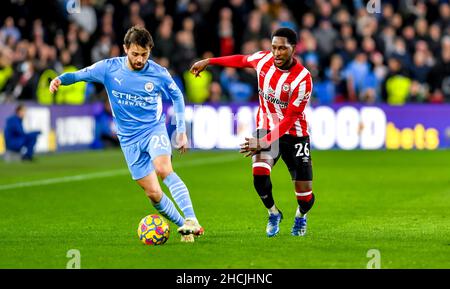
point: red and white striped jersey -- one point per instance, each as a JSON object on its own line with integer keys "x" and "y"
{"x": 282, "y": 93}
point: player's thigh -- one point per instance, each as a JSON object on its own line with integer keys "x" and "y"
{"x": 295, "y": 152}
{"x": 138, "y": 160}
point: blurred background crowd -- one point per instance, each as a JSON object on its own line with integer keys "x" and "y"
{"x": 399, "y": 54}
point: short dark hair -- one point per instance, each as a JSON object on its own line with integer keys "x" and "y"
{"x": 19, "y": 107}
{"x": 288, "y": 33}
{"x": 140, "y": 36}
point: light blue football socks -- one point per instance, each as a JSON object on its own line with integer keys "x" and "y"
{"x": 180, "y": 194}
{"x": 167, "y": 208}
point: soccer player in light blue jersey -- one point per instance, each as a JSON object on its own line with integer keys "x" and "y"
{"x": 135, "y": 87}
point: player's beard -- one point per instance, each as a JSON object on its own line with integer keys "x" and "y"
{"x": 136, "y": 65}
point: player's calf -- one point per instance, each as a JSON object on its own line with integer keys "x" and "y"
{"x": 305, "y": 201}
{"x": 262, "y": 183}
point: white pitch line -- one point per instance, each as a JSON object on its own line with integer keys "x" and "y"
{"x": 107, "y": 174}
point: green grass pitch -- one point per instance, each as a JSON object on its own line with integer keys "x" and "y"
{"x": 394, "y": 201}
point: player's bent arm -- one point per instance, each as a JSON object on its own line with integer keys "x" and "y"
{"x": 297, "y": 104}
{"x": 280, "y": 129}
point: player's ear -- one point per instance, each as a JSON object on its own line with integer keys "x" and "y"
{"x": 293, "y": 49}
{"x": 125, "y": 49}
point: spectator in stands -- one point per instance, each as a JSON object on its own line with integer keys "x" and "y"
{"x": 407, "y": 30}
{"x": 6, "y": 69}
{"x": 285, "y": 18}
{"x": 185, "y": 52}
{"x": 357, "y": 72}
{"x": 225, "y": 32}
{"x": 197, "y": 88}
{"x": 379, "y": 70}
{"x": 10, "y": 31}
{"x": 397, "y": 83}
{"x": 16, "y": 139}
{"x": 439, "y": 76}
{"x": 326, "y": 37}
{"x": 234, "y": 87}
{"x": 101, "y": 49}
{"x": 349, "y": 51}
{"x": 435, "y": 38}
{"x": 263, "y": 7}
{"x": 165, "y": 39}
{"x": 24, "y": 82}
{"x": 255, "y": 29}
{"x": 335, "y": 81}
{"x": 216, "y": 94}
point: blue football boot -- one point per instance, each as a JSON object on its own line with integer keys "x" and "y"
{"x": 273, "y": 225}
{"x": 299, "y": 228}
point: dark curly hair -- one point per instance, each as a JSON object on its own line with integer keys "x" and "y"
{"x": 140, "y": 36}
{"x": 288, "y": 33}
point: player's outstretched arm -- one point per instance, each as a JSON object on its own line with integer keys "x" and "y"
{"x": 236, "y": 61}
{"x": 93, "y": 73}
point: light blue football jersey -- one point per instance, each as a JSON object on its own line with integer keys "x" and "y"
{"x": 135, "y": 96}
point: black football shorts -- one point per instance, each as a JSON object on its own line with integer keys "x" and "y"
{"x": 295, "y": 152}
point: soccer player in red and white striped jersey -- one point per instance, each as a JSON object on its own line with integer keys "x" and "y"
{"x": 284, "y": 87}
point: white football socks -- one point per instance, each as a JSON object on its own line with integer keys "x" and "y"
{"x": 299, "y": 214}
{"x": 273, "y": 210}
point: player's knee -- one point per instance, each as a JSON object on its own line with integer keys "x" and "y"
{"x": 261, "y": 169}
{"x": 150, "y": 189}
{"x": 163, "y": 170}
{"x": 303, "y": 186}
{"x": 153, "y": 193}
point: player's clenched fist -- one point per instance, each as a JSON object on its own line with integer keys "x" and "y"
{"x": 54, "y": 84}
{"x": 199, "y": 66}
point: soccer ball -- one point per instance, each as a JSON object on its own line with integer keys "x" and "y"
{"x": 153, "y": 230}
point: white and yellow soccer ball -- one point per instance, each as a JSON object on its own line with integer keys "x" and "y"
{"x": 153, "y": 230}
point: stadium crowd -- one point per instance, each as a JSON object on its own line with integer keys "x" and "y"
{"x": 396, "y": 55}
